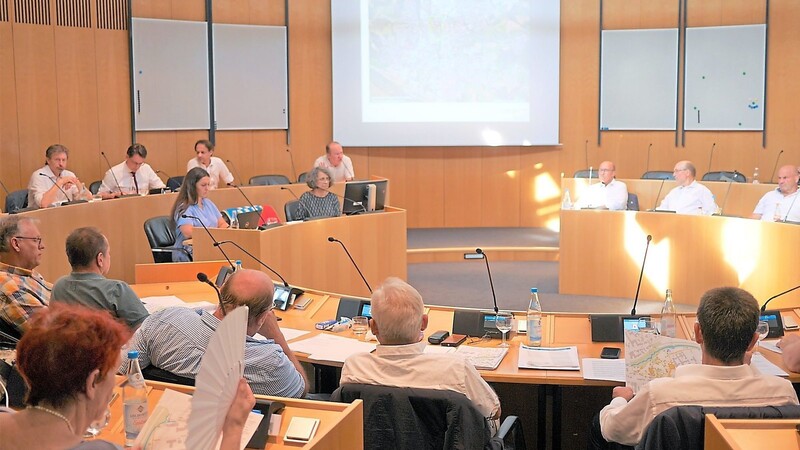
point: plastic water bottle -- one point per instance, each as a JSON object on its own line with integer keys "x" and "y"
{"x": 535, "y": 320}
{"x": 235, "y": 220}
{"x": 669, "y": 316}
{"x": 134, "y": 399}
{"x": 755, "y": 176}
{"x": 238, "y": 265}
{"x": 566, "y": 203}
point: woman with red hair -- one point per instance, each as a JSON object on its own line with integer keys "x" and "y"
{"x": 68, "y": 358}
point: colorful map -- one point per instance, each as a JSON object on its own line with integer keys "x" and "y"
{"x": 649, "y": 356}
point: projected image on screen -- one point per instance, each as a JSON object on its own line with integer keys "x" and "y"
{"x": 460, "y": 60}
{"x": 445, "y": 72}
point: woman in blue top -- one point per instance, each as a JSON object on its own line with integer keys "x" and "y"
{"x": 192, "y": 202}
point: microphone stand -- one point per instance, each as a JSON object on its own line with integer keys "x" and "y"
{"x": 291, "y": 159}
{"x": 260, "y": 216}
{"x": 333, "y": 239}
{"x": 219, "y": 245}
{"x": 300, "y": 202}
{"x": 119, "y": 188}
{"x": 641, "y": 273}
{"x": 491, "y": 283}
{"x": 764, "y": 308}
{"x": 202, "y": 277}
{"x": 216, "y": 244}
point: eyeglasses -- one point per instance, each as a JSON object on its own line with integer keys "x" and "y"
{"x": 606, "y": 170}
{"x": 474, "y": 340}
{"x": 37, "y": 239}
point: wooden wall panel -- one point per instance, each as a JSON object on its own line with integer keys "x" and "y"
{"x": 540, "y": 196}
{"x": 9, "y": 136}
{"x": 252, "y": 12}
{"x": 170, "y": 9}
{"x": 113, "y": 96}
{"x": 500, "y": 190}
{"x": 463, "y": 184}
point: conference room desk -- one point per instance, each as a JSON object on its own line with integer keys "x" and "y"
{"x": 737, "y": 434}
{"x": 601, "y": 254}
{"x": 340, "y": 427}
{"x": 302, "y": 254}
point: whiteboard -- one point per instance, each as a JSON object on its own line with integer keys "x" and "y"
{"x": 639, "y": 79}
{"x": 250, "y": 77}
{"x": 725, "y": 78}
{"x": 170, "y": 75}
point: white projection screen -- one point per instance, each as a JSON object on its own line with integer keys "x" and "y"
{"x": 445, "y": 72}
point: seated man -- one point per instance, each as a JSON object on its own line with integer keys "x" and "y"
{"x": 175, "y": 339}
{"x": 608, "y": 193}
{"x": 780, "y": 205}
{"x": 399, "y": 360}
{"x": 340, "y": 165}
{"x": 726, "y": 329}
{"x": 132, "y": 176}
{"x": 90, "y": 257}
{"x": 22, "y": 291}
{"x": 689, "y": 196}
{"x": 54, "y": 183}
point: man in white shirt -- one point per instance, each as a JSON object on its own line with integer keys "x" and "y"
{"x": 130, "y": 177}
{"x": 217, "y": 170}
{"x": 398, "y": 320}
{"x": 725, "y": 329}
{"x": 780, "y": 205}
{"x": 689, "y": 197}
{"x": 608, "y": 193}
{"x": 53, "y": 183}
{"x": 337, "y": 162}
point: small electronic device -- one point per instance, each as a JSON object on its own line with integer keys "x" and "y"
{"x": 222, "y": 276}
{"x": 611, "y": 327}
{"x": 610, "y": 353}
{"x": 326, "y": 324}
{"x": 774, "y": 319}
{"x": 454, "y": 340}
{"x": 437, "y": 337}
{"x": 789, "y": 323}
{"x": 281, "y": 297}
{"x": 267, "y": 409}
{"x": 302, "y": 303}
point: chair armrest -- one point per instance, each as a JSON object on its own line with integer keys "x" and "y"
{"x": 172, "y": 249}
{"x": 511, "y": 425}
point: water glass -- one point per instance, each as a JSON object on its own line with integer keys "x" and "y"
{"x": 360, "y": 325}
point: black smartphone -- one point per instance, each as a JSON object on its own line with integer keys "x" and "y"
{"x": 610, "y": 353}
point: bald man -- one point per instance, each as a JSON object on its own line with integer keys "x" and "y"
{"x": 175, "y": 339}
{"x": 780, "y": 205}
{"x": 608, "y": 193}
{"x": 337, "y": 162}
{"x": 689, "y": 197}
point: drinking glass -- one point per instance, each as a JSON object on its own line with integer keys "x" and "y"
{"x": 763, "y": 330}
{"x": 360, "y": 325}
{"x": 648, "y": 325}
{"x": 98, "y": 425}
{"x": 503, "y": 322}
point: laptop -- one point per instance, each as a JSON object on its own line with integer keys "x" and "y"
{"x": 248, "y": 220}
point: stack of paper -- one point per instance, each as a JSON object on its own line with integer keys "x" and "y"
{"x": 484, "y": 358}
{"x": 327, "y": 347}
{"x": 548, "y": 358}
{"x": 604, "y": 369}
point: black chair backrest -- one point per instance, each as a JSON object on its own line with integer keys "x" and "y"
{"x": 302, "y": 177}
{"x": 291, "y": 209}
{"x": 683, "y": 427}
{"x": 633, "y": 202}
{"x": 269, "y": 180}
{"x": 174, "y": 183}
{"x": 726, "y": 176}
{"x": 95, "y": 186}
{"x": 585, "y": 174}
{"x": 402, "y": 417}
{"x": 658, "y": 175}
{"x": 160, "y": 233}
{"x": 16, "y": 200}
{"x": 154, "y": 373}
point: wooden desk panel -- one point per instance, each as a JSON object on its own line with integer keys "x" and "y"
{"x": 689, "y": 254}
{"x": 735, "y": 434}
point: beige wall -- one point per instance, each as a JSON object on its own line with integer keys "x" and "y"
{"x": 70, "y": 85}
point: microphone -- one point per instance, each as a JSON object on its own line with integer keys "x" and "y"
{"x": 786, "y": 217}
{"x": 263, "y": 264}
{"x": 638, "y": 286}
{"x": 68, "y": 202}
{"x": 355, "y": 203}
{"x": 234, "y": 169}
{"x": 216, "y": 244}
{"x": 590, "y": 174}
{"x": 491, "y": 284}
{"x": 772, "y": 177}
{"x": 725, "y": 200}
{"x": 586, "y": 152}
{"x": 291, "y": 158}
{"x": 5, "y": 188}
{"x": 161, "y": 172}
{"x": 764, "y": 308}
{"x": 260, "y": 215}
{"x": 333, "y": 239}
{"x": 647, "y": 166}
{"x": 284, "y": 188}
{"x": 711, "y": 156}
{"x": 204, "y": 278}
{"x": 112, "y": 173}
{"x": 655, "y": 205}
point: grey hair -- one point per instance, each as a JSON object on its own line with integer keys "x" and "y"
{"x": 311, "y": 178}
{"x": 397, "y": 309}
{"x": 9, "y": 227}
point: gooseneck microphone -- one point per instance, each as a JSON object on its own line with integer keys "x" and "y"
{"x": 775, "y": 167}
{"x": 764, "y": 308}
{"x": 641, "y": 274}
{"x": 786, "y": 217}
{"x": 291, "y": 159}
{"x": 236, "y": 172}
{"x": 247, "y": 199}
{"x": 204, "y": 278}
{"x": 214, "y": 241}
{"x": 655, "y": 205}
{"x": 647, "y": 165}
{"x": 263, "y": 264}
{"x": 711, "y": 156}
{"x": 725, "y": 200}
{"x": 491, "y": 283}
{"x": 300, "y": 202}
{"x": 161, "y": 172}
{"x": 333, "y": 239}
{"x": 586, "y": 152}
{"x": 119, "y": 188}
{"x": 68, "y": 202}
{"x": 5, "y": 188}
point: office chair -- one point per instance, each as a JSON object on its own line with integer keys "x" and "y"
{"x": 269, "y": 180}
{"x": 302, "y": 177}
{"x": 161, "y": 237}
{"x": 174, "y": 183}
{"x": 16, "y": 201}
{"x": 585, "y": 174}
{"x": 683, "y": 427}
{"x": 658, "y": 175}
{"x": 95, "y": 186}
{"x": 633, "y": 202}
{"x": 725, "y": 176}
{"x": 154, "y": 373}
{"x": 402, "y": 417}
{"x": 292, "y": 210}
